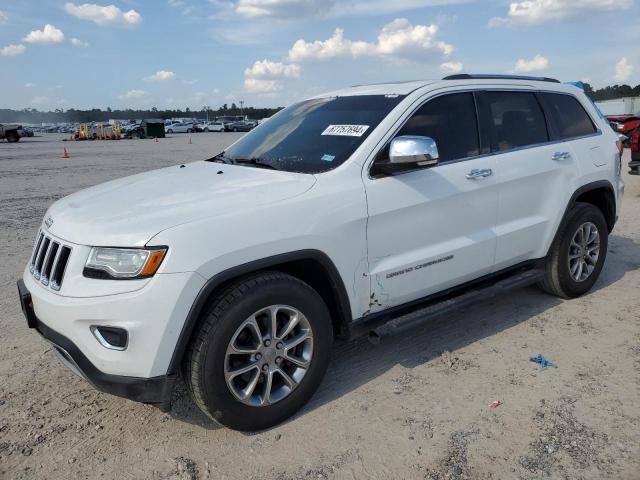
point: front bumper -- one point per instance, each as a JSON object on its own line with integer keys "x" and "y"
{"x": 156, "y": 390}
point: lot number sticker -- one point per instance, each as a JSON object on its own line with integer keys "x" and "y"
{"x": 345, "y": 130}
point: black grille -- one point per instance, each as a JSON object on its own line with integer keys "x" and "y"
{"x": 49, "y": 261}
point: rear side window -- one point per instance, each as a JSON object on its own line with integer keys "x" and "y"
{"x": 451, "y": 121}
{"x": 567, "y": 118}
{"x": 515, "y": 120}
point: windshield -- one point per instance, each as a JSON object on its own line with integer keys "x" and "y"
{"x": 313, "y": 136}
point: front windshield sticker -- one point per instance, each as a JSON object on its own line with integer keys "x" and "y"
{"x": 345, "y": 130}
{"x": 327, "y": 158}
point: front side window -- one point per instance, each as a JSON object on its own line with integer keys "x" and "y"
{"x": 451, "y": 121}
{"x": 315, "y": 135}
{"x": 515, "y": 120}
{"x": 567, "y": 118}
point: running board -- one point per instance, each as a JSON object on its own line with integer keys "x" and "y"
{"x": 451, "y": 304}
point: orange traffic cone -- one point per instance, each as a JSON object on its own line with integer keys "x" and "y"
{"x": 189, "y": 142}
{"x": 65, "y": 153}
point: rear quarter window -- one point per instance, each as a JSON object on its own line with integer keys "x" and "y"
{"x": 566, "y": 116}
{"x": 515, "y": 119}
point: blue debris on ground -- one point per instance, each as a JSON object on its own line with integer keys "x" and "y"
{"x": 543, "y": 362}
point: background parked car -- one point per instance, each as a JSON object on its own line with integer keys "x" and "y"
{"x": 625, "y": 124}
{"x": 634, "y": 143}
{"x": 180, "y": 127}
{"x": 242, "y": 126}
{"x": 210, "y": 127}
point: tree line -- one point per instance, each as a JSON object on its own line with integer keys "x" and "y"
{"x": 611, "y": 92}
{"x": 32, "y": 115}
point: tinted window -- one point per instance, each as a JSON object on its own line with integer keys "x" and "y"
{"x": 515, "y": 119}
{"x": 567, "y": 118}
{"x": 315, "y": 135}
{"x": 451, "y": 121}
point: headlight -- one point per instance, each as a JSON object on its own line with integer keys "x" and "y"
{"x": 123, "y": 263}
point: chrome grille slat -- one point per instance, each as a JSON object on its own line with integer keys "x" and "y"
{"x": 36, "y": 250}
{"x": 40, "y": 259}
{"x": 49, "y": 261}
{"x": 47, "y": 266}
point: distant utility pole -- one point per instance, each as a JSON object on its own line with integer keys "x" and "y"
{"x": 241, "y": 105}
{"x": 206, "y": 108}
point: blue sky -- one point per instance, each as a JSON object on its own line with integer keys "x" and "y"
{"x": 188, "y": 53}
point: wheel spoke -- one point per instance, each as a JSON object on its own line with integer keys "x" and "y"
{"x": 297, "y": 340}
{"x": 273, "y": 329}
{"x": 290, "y": 382}
{"x": 300, "y": 362}
{"x": 266, "y": 396}
{"x": 231, "y": 374}
{"x": 579, "y": 272}
{"x": 251, "y": 386}
{"x": 293, "y": 321}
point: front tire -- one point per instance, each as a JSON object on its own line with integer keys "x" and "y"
{"x": 261, "y": 351}
{"x": 578, "y": 253}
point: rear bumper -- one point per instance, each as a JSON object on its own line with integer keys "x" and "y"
{"x": 156, "y": 390}
{"x": 634, "y": 164}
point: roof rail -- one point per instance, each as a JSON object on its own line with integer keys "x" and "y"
{"x": 467, "y": 76}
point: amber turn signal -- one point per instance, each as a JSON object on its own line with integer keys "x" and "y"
{"x": 153, "y": 262}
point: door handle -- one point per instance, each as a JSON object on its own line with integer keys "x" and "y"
{"x": 479, "y": 173}
{"x": 561, "y": 156}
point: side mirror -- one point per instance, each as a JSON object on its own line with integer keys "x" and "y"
{"x": 413, "y": 149}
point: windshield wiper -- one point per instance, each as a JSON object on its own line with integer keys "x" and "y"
{"x": 254, "y": 162}
{"x": 220, "y": 158}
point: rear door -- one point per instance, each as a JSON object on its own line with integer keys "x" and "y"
{"x": 533, "y": 174}
{"x": 433, "y": 228}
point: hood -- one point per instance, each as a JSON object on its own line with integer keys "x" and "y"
{"x": 131, "y": 210}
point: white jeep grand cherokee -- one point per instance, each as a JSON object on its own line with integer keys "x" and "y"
{"x": 362, "y": 211}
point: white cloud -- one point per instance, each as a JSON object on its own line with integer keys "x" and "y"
{"x": 103, "y": 15}
{"x": 49, "y": 34}
{"x": 283, "y": 8}
{"x": 397, "y": 39}
{"x": 131, "y": 94}
{"x": 76, "y": 42}
{"x": 255, "y": 85}
{"x": 160, "y": 76}
{"x": 176, "y": 3}
{"x": 536, "y": 64}
{"x": 452, "y": 67}
{"x": 537, "y": 12}
{"x": 12, "y": 50}
{"x": 39, "y": 100}
{"x": 29, "y": 85}
{"x": 3, "y": 17}
{"x": 623, "y": 70}
{"x": 295, "y": 9}
{"x": 266, "y": 68}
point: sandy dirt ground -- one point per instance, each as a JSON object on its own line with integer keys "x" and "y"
{"x": 415, "y": 406}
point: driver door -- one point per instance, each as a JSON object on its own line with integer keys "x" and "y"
{"x": 430, "y": 229}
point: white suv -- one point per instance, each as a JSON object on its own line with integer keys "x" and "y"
{"x": 363, "y": 211}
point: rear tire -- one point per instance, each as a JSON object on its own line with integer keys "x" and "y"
{"x": 577, "y": 255}
{"x": 12, "y": 137}
{"x": 227, "y": 327}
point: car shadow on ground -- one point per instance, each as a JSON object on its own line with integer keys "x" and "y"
{"x": 358, "y": 362}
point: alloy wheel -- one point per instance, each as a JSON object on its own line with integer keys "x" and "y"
{"x": 584, "y": 251}
{"x": 268, "y": 355}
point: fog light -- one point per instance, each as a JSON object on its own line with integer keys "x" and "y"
{"x": 112, "y": 338}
